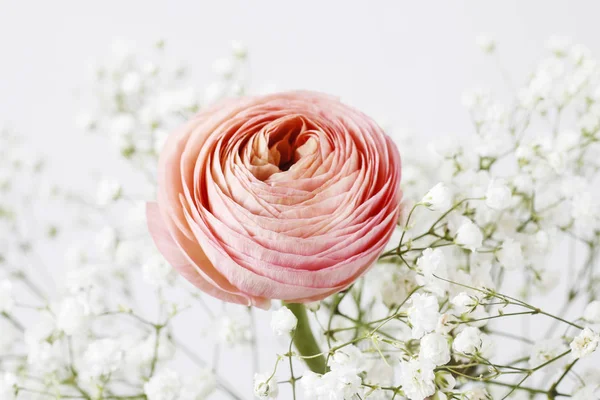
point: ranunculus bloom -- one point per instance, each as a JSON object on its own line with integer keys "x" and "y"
{"x": 288, "y": 196}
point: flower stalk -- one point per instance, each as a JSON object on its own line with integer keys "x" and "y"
{"x": 305, "y": 341}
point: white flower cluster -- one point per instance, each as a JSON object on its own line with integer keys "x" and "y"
{"x": 482, "y": 218}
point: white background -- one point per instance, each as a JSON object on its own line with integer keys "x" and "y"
{"x": 402, "y": 62}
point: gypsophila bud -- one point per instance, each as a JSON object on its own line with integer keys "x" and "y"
{"x": 283, "y": 321}
{"x": 469, "y": 236}
{"x": 510, "y": 255}
{"x": 498, "y": 195}
{"x": 585, "y": 343}
{"x": 439, "y": 197}
{"x": 463, "y": 303}
{"x": 265, "y": 386}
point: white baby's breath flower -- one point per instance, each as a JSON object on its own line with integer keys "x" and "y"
{"x": 265, "y": 386}
{"x": 72, "y": 315}
{"x": 7, "y": 299}
{"x": 283, "y": 321}
{"x": 423, "y": 314}
{"x": 463, "y": 303}
{"x": 592, "y": 312}
{"x": 559, "y": 45}
{"x": 157, "y": 272}
{"x": 199, "y": 386}
{"x": 224, "y": 67}
{"x": 469, "y": 236}
{"x": 108, "y": 191}
{"x": 433, "y": 266}
{"x": 164, "y": 385}
{"x": 8, "y": 386}
{"x": 585, "y": 343}
{"x": 486, "y": 43}
{"x": 435, "y": 349}
{"x": 472, "y": 341}
{"x": 439, "y": 197}
{"x": 102, "y": 357}
{"x": 547, "y": 350}
{"x": 106, "y": 240}
{"x": 132, "y": 82}
{"x": 417, "y": 379}
{"x": 498, "y": 195}
{"x": 510, "y": 255}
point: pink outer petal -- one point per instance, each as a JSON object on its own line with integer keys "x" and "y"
{"x": 179, "y": 260}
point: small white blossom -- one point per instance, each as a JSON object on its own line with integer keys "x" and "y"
{"x": 102, "y": 357}
{"x": 510, "y": 255}
{"x": 239, "y": 49}
{"x": 435, "y": 349}
{"x": 132, "y": 82}
{"x": 164, "y": 385}
{"x": 471, "y": 341}
{"x": 485, "y": 43}
{"x": 417, "y": 379}
{"x": 433, "y": 266}
{"x": 585, "y": 343}
{"x": 265, "y": 386}
{"x": 439, "y": 197}
{"x": 469, "y": 236}
{"x": 498, "y": 195}
{"x": 7, "y": 300}
{"x": 200, "y": 386}
{"x": 8, "y": 385}
{"x": 106, "y": 240}
{"x": 283, "y": 321}
{"x": 559, "y": 45}
{"x": 423, "y": 314}
{"x": 108, "y": 191}
{"x": 157, "y": 272}
{"x": 592, "y": 312}
{"x": 233, "y": 331}
{"x": 72, "y": 314}
{"x": 463, "y": 303}
{"x": 546, "y": 350}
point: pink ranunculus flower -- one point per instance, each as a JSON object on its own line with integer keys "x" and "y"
{"x": 287, "y": 196}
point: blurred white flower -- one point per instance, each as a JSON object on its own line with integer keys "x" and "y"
{"x": 7, "y": 300}
{"x": 8, "y": 386}
{"x": 164, "y": 385}
{"x": 498, "y": 195}
{"x": 486, "y": 43}
{"x": 157, "y": 272}
{"x": 547, "y": 350}
{"x": 108, "y": 191}
{"x": 72, "y": 315}
{"x": 102, "y": 357}
{"x": 510, "y": 255}
{"x": 283, "y": 321}
{"x": 592, "y": 312}
{"x": 199, "y": 386}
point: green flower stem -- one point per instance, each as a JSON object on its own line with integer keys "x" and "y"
{"x": 305, "y": 342}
